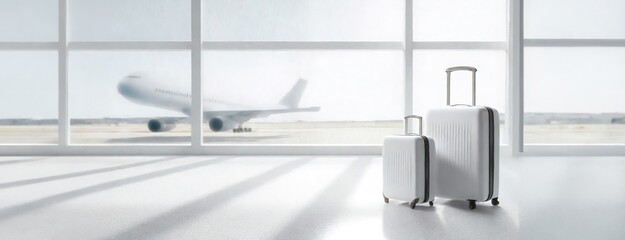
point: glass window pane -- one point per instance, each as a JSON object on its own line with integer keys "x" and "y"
{"x": 29, "y": 20}
{"x": 430, "y": 80}
{"x": 303, "y": 20}
{"x": 574, "y": 95}
{"x": 129, "y": 20}
{"x": 577, "y": 19}
{"x": 28, "y": 97}
{"x": 460, "y": 20}
{"x": 359, "y": 94}
{"x": 130, "y": 97}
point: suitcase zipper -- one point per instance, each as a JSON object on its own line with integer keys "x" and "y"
{"x": 491, "y": 152}
{"x": 426, "y": 145}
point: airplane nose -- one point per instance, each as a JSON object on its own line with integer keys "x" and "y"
{"x": 125, "y": 88}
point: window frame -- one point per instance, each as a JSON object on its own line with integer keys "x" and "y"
{"x": 519, "y": 42}
{"x": 514, "y": 96}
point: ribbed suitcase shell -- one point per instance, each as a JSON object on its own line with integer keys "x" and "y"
{"x": 404, "y": 168}
{"x": 463, "y": 142}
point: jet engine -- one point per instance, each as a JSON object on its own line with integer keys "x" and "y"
{"x": 220, "y": 124}
{"x": 159, "y": 125}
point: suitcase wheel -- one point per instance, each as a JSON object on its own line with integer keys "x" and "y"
{"x": 472, "y": 204}
{"x": 385, "y": 198}
{"x": 414, "y": 203}
{"x": 431, "y": 203}
{"x": 495, "y": 201}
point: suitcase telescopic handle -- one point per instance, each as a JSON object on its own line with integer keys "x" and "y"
{"x": 460, "y": 68}
{"x": 406, "y": 123}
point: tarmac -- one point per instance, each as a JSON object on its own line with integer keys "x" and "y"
{"x": 332, "y": 133}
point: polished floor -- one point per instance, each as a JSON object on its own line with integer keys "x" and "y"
{"x": 266, "y": 197}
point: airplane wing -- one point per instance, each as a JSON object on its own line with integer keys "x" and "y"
{"x": 248, "y": 114}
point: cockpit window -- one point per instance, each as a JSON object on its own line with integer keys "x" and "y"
{"x": 132, "y": 76}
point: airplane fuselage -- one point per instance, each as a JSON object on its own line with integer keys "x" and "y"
{"x": 221, "y": 115}
{"x": 144, "y": 91}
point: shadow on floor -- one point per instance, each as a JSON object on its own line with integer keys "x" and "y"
{"x": 10, "y": 212}
{"x": 27, "y": 160}
{"x": 451, "y": 219}
{"x": 401, "y": 222}
{"x": 154, "y": 227}
{"x": 327, "y": 206}
{"x": 80, "y": 174}
{"x": 484, "y": 222}
{"x": 482, "y": 207}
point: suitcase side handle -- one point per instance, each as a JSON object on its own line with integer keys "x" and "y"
{"x": 406, "y": 123}
{"x": 460, "y": 68}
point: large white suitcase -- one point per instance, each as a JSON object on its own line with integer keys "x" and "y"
{"x": 409, "y": 167}
{"x": 467, "y": 149}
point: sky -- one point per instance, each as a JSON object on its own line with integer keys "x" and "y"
{"x": 347, "y": 85}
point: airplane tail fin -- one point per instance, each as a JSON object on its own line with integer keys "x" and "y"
{"x": 291, "y": 98}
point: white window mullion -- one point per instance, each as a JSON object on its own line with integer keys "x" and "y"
{"x": 196, "y": 74}
{"x": 514, "y": 118}
{"x": 63, "y": 118}
{"x": 461, "y": 45}
{"x": 574, "y": 42}
{"x": 408, "y": 69}
{"x": 227, "y": 46}
{"x": 13, "y": 46}
{"x": 114, "y": 46}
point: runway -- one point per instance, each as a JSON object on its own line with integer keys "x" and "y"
{"x": 262, "y": 133}
{"x": 328, "y": 133}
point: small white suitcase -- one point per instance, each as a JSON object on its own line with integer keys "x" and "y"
{"x": 468, "y": 149}
{"x": 409, "y": 167}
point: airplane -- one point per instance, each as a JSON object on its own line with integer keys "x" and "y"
{"x": 221, "y": 115}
